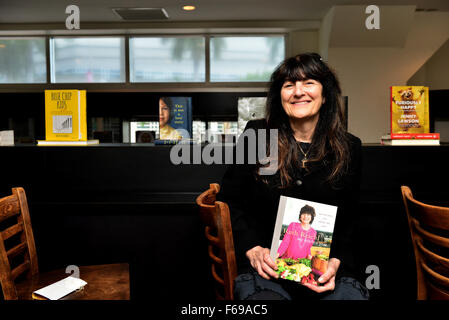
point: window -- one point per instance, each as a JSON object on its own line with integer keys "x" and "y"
{"x": 222, "y": 131}
{"x": 199, "y": 131}
{"x": 136, "y": 127}
{"x": 105, "y": 129}
{"x": 245, "y": 58}
{"x": 87, "y": 59}
{"x": 22, "y": 60}
{"x": 167, "y": 59}
{"x": 151, "y": 59}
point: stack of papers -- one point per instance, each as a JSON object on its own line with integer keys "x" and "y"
{"x": 61, "y": 288}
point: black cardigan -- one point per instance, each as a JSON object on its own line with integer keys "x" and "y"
{"x": 253, "y": 204}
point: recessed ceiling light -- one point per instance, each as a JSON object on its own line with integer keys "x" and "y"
{"x": 188, "y": 8}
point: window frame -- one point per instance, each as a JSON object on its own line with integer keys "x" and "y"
{"x": 127, "y": 86}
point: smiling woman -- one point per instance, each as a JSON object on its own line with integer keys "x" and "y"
{"x": 302, "y": 102}
{"x": 299, "y": 237}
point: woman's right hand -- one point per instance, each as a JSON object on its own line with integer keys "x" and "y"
{"x": 261, "y": 261}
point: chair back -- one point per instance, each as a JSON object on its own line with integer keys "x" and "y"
{"x": 429, "y": 229}
{"x": 215, "y": 215}
{"x": 17, "y": 249}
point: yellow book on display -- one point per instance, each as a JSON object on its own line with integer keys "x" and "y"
{"x": 65, "y": 115}
{"x": 409, "y": 109}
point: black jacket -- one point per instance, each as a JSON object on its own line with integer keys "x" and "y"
{"x": 253, "y": 204}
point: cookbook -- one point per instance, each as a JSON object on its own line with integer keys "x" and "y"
{"x": 302, "y": 239}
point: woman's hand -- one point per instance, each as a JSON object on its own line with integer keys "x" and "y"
{"x": 261, "y": 261}
{"x": 328, "y": 278}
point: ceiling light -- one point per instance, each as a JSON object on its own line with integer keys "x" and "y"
{"x": 188, "y": 8}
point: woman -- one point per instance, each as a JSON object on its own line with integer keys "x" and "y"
{"x": 317, "y": 161}
{"x": 166, "y": 132}
{"x": 299, "y": 237}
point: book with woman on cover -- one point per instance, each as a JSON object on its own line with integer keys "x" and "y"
{"x": 175, "y": 119}
{"x": 302, "y": 239}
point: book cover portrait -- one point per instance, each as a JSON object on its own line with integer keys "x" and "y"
{"x": 302, "y": 239}
{"x": 175, "y": 118}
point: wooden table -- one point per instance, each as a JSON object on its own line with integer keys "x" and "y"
{"x": 104, "y": 282}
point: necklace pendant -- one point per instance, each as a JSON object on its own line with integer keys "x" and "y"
{"x": 303, "y": 163}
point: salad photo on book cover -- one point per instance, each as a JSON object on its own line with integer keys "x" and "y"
{"x": 302, "y": 239}
{"x": 175, "y": 118}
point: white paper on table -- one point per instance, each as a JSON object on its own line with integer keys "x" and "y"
{"x": 61, "y": 288}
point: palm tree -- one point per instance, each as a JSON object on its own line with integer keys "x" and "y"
{"x": 276, "y": 47}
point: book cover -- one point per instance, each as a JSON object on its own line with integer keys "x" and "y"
{"x": 409, "y": 109}
{"x": 175, "y": 118}
{"x": 302, "y": 239}
{"x": 65, "y": 115}
{"x": 59, "y": 289}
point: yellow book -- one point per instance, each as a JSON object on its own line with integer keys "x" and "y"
{"x": 409, "y": 109}
{"x": 65, "y": 115}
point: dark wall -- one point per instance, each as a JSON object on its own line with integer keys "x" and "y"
{"x": 438, "y": 107}
{"x": 123, "y": 203}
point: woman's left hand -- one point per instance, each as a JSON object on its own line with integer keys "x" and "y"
{"x": 327, "y": 278}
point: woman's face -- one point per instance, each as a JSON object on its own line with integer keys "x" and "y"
{"x": 306, "y": 218}
{"x": 164, "y": 113}
{"x": 302, "y": 99}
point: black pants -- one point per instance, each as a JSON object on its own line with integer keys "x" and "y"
{"x": 251, "y": 286}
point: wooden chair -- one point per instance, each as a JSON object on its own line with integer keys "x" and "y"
{"x": 429, "y": 228}
{"x": 19, "y": 271}
{"x": 215, "y": 215}
{"x": 15, "y": 207}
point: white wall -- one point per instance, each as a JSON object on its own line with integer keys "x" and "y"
{"x": 435, "y": 72}
{"x": 303, "y": 41}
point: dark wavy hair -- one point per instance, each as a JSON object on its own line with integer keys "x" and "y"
{"x": 329, "y": 137}
{"x": 307, "y": 210}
